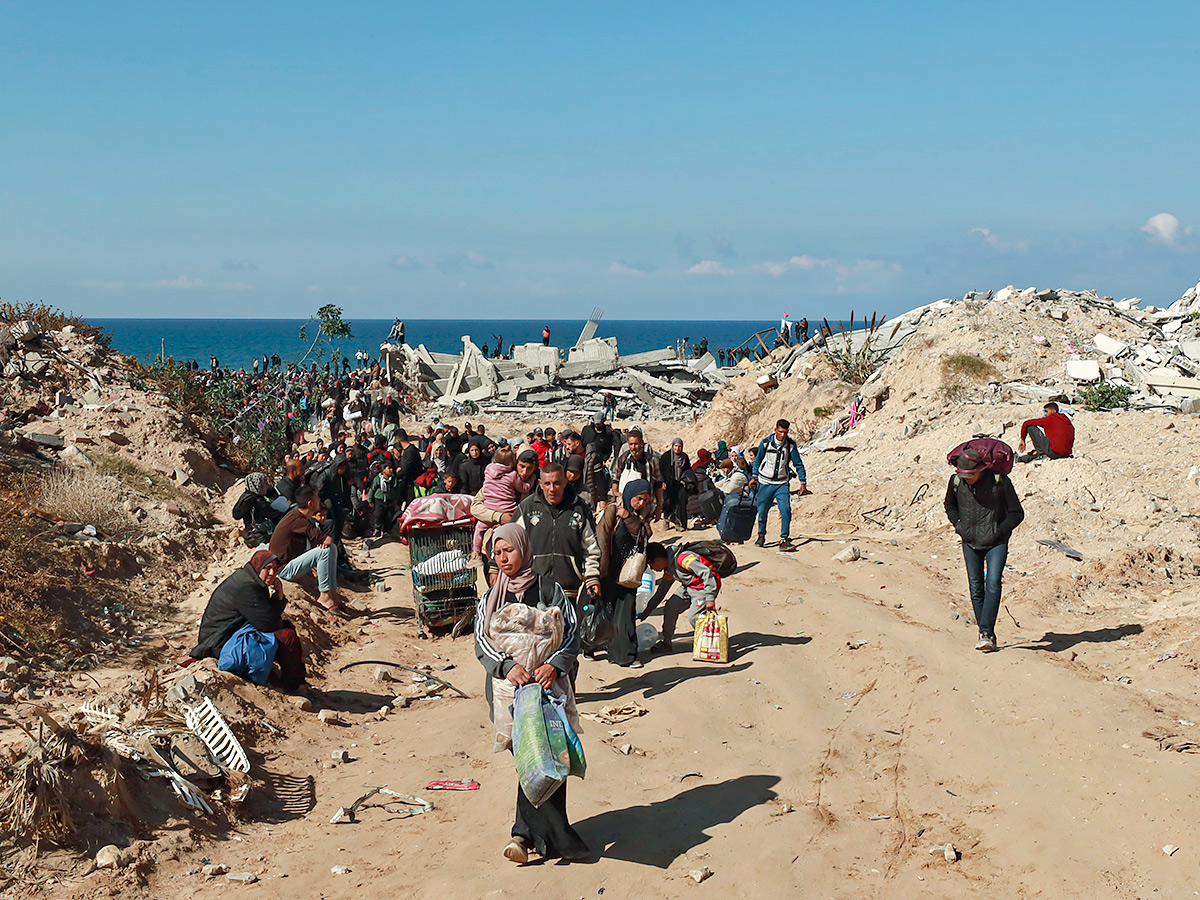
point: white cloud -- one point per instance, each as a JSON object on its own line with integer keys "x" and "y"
{"x": 405, "y": 263}
{"x": 630, "y": 270}
{"x": 709, "y": 267}
{"x": 181, "y": 283}
{"x": 803, "y": 263}
{"x": 993, "y": 240}
{"x": 1164, "y": 228}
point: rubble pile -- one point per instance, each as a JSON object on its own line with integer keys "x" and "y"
{"x": 660, "y": 384}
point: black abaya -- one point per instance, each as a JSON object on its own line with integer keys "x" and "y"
{"x": 546, "y": 829}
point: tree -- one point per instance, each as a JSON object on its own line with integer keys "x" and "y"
{"x": 329, "y": 326}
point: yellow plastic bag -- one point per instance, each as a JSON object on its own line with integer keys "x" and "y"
{"x": 710, "y": 642}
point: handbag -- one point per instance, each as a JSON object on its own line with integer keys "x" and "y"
{"x": 634, "y": 566}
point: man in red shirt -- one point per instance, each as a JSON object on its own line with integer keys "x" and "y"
{"x": 1053, "y": 435}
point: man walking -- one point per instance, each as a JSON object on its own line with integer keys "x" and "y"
{"x": 562, "y": 535}
{"x": 772, "y": 474}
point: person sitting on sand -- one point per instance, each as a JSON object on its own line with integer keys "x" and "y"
{"x": 252, "y": 597}
{"x": 302, "y": 547}
{"x": 1053, "y": 435}
{"x": 984, "y": 509}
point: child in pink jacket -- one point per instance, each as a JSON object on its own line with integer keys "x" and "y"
{"x": 503, "y": 489}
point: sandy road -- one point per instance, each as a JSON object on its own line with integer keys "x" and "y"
{"x": 1033, "y": 767}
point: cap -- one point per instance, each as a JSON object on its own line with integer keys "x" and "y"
{"x": 597, "y": 418}
{"x": 969, "y": 461}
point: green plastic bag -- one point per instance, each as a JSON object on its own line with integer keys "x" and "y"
{"x": 574, "y": 745}
{"x": 540, "y": 747}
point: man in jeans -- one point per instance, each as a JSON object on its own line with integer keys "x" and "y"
{"x": 302, "y": 547}
{"x": 772, "y": 475}
{"x": 984, "y": 509}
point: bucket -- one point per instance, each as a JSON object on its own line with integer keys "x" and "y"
{"x": 647, "y": 636}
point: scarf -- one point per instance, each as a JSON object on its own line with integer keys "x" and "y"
{"x": 677, "y": 458}
{"x": 260, "y": 560}
{"x": 632, "y": 489}
{"x": 514, "y": 535}
{"x": 439, "y": 462}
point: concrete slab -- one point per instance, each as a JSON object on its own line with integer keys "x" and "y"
{"x": 1083, "y": 369}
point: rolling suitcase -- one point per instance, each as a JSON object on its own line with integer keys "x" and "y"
{"x": 736, "y": 523}
{"x": 711, "y": 503}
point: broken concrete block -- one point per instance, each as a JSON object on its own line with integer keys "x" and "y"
{"x": 53, "y": 441}
{"x": 1083, "y": 369}
{"x": 25, "y": 331}
{"x": 110, "y": 856}
{"x": 73, "y": 456}
{"x": 1191, "y": 349}
{"x": 1109, "y": 346}
{"x": 849, "y": 555}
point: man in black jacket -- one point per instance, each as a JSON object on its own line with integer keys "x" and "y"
{"x": 410, "y": 466}
{"x": 984, "y": 509}
{"x": 252, "y": 595}
{"x": 562, "y": 535}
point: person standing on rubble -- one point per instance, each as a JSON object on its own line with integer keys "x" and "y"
{"x": 546, "y": 336}
{"x": 1053, "y": 435}
{"x": 984, "y": 509}
{"x": 772, "y": 476}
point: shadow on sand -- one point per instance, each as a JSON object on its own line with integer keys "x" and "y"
{"x": 656, "y": 834}
{"x": 1056, "y": 643}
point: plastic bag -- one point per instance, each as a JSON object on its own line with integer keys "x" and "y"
{"x": 574, "y": 745}
{"x": 710, "y": 641}
{"x": 540, "y": 749}
{"x": 249, "y": 654}
{"x": 596, "y": 626}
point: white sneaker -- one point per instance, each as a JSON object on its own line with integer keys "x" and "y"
{"x": 986, "y": 644}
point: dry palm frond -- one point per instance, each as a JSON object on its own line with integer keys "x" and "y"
{"x": 34, "y": 799}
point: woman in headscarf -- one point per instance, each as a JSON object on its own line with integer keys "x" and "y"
{"x": 676, "y": 471}
{"x": 722, "y": 451}
{"x": 546, "y": 828}
{"x": 623, "y": 529}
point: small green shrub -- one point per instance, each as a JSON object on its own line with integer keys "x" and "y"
{"x": 968, "y": 366}
{"x": 822, "y": 412}
{"x": 1105, "y": 396}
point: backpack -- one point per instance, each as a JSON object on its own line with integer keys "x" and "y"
{"x": 716, "y": 553}
{"x": 997, "y": 455}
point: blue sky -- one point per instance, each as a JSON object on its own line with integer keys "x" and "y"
{"x": 657, "y": 160}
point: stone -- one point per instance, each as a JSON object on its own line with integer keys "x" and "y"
{"x": 383, "y": 674}
{"x": 1083, "y": 369}
{"x": 110, "y": 856}
{"x": 173, "y": 508}
{"x": 214, "y": 869}
{"x": 949, "y": 853}
{"x": 10, "y": 666}
{"x": 1109, "y": 346}
{"x": 702, "y": 874}
{"x": 115, "y": 436}
{"x": 242, "y": 877}
{"x": 341, "y": 756}
{"x": 330, "y": 717}
{"x": 340, "y": 870}
{"x": 1191, "y": 349}
{"x": 1058, "y": 313}
{"x": 849, "y": 555}
{"x": 73, "y": 456}
{"x": 181, "y": 476}
{"x": 301, "y": 703}
{"x": 44, "y": 439}
{"x": 25, "y": 331}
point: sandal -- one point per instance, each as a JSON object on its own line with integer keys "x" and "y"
{"x": 661, "y": 647}
{"x": 516, "y": 851}
{"x": 336, "y": 608}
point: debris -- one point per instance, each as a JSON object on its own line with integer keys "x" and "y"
{"x": 340, "y": 756}
{"x": 856, "y": 645}
{"x": 452, "y": 786}
{"x": 1168, "y": 741}
{"x": 950, "y": 853}
{"x": 617, "y": 712}
{"x": 683, "y": 775}
{"x": 1061, "y": 548}
{"x": 330, "y": 717}
{"x": 346, "y": 813}
{"x": 849, "y": 555}
{"x": 111, "y": 856}
{"x": 242, "y": 877}
{"x": 1083, "y": 369}
{"x": 340, "y": 870}
{"x": 424, "y": 675}
{"x": 699, "y": 875}
{"x": 1170, "y": 849}
{"x": 214, "y": 869}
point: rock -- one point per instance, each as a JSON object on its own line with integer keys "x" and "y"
{"x": 242, "y": 877}
{"x": 1109, "y": 346}
{"x": 406, "y": 702}
{"x": 43, "y": 439}
{"x": 173, "y": 508}
{"x": 340, "y": 870}
{"x": 301, "y": 703}
{"x": 949, "y": 853}
{"x": 72, "y": 527}
{"x": 115, "y": 436}
{"x": 330, "y": 717}
{"x": 181, "y": 476}
{"x": 9, "y": 666}
{"x": 73, "y": 456}
{"x": 383, "y": 674}
{"x": 214, "y": 869}
{"x": 699, "y": 875}
{"x": 1170, "y": 849}
{"x": 1083, "y": 369}
{"x": 341, "y": 756}
{"x": 111, "y": 856}
{"x": 25, "y": 331}
{"x": 849, "y": 555}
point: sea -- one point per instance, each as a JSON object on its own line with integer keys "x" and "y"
{"x": 235, "y": 342}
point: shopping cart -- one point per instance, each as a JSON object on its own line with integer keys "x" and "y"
{"x": 443, "y": 576}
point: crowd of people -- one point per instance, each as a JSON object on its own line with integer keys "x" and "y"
{"x": 565, "y": 520}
